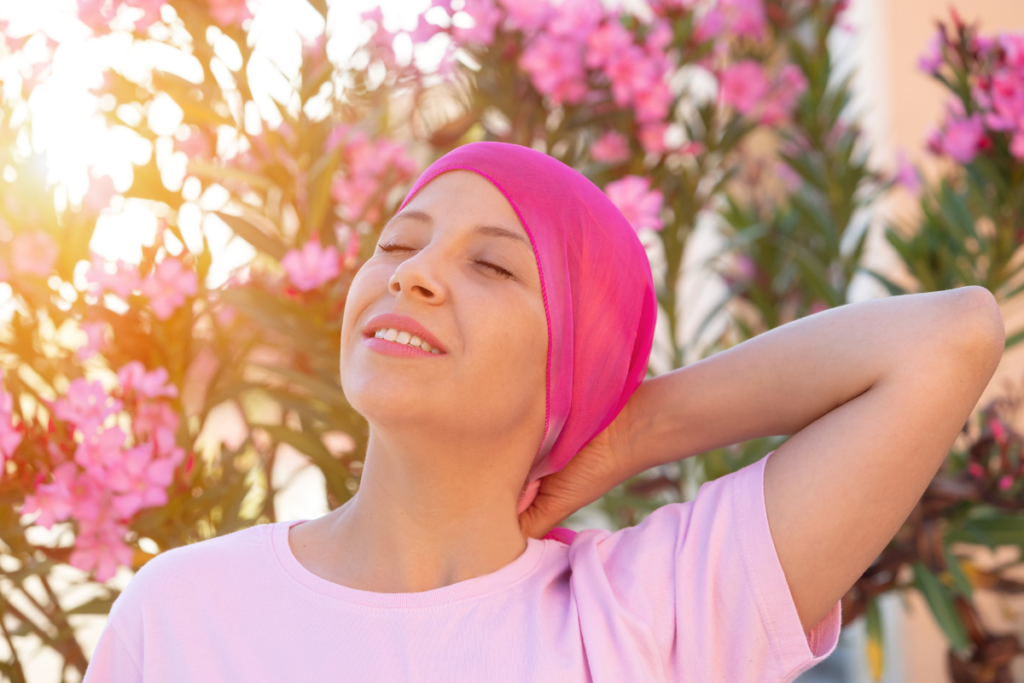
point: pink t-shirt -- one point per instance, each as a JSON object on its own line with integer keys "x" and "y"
{"x": 694, "y": 593}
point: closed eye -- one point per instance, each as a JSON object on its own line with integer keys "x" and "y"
{"x": 498, "y": 269}
{"x": 392, "y": 246}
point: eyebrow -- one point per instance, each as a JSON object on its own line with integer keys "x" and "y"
{"x": 489, "y": 230}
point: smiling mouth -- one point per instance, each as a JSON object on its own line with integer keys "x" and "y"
{"x": 392, "y": 335}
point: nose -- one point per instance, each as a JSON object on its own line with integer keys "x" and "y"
{"x": 416, "y": 277}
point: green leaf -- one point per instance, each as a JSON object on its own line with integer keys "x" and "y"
{"x": 1014, "y": 339}
{"x": 98, "y": 605}
{"x": 960, "y": 583}
{"x": 258, "y": 238}
{"x": 310, "y": 445}
{"x": 875, "y": 648}
{"x": 940, "y": 601}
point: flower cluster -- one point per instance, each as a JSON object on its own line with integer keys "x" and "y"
{"x": 167, "y": 287}
{"x": 747, "y": 87}
{"x": 370, "y": 165}
{"x": 102, "y": 476}
{"x": 994, "y": 68}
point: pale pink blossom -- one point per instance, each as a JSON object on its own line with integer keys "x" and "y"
{"x": 168, "y": 286}
{"x": 97, "y": 197}
{"x": 652, "y": 137}
{"x": 641, "y": 205}
{"x": 486, "y": 17}
{"x": 785, "y": 91}
{"x": 95, "y": 334}
{"x": 100, "y": 548}
{"x": 86, "y": 405}
{"x": 139, "y": 480}
{"x": 54, "y": 501}
{"x": 612, "y": 147}
{"x": 151, "y": 418}
{"x": 121, "y": 282}
{"x": 34, "y": 253}
{"x": 96, "y": 14}
{"x": 575, "y": 19}
{"x": 99, "y": 450}
{"x": 153, "y": 384}
{"x": 907, "y": 175}
{"x": 311, "y": 266}
{"x": 528, "y": 15}
{"x": 229, "y": 12}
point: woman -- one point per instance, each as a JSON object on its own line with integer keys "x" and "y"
{"x": 496, "y": 343}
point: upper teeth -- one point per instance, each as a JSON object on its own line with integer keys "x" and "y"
{"x": 391, "y": 334}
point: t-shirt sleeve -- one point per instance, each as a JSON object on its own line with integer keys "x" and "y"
{"x": 705, "y": 580}
{"x": 112, "y": 661}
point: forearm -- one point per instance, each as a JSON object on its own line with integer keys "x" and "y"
{"x": 780, "y": 381}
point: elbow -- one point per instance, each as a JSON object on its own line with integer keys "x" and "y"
{"x": 979, "y": 325}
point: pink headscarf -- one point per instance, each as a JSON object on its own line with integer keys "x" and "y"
{"x": 597, "y": 287}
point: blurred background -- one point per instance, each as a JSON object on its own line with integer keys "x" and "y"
{"x": 188, "y": 187}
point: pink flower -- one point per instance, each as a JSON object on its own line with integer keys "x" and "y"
{"x": 931, "y": 60}
{"x": 528, "y": 15}
{"x": 86, "y": 405}
{"x": 998, "y": 431}
{"x": 575, "y": 19}
{"x": 630, "y": 72}
{"x": 150, "y": 12}
{"x": 790, "y": 84}
{"x": 121, "y": 282}
{"x": 369, "y": 164}
{"x": 34, "y": 253}
{"x": 228, "y": 12}
{"x": 606, "y": 42}
{"x": 486, "y": 18}
{"x": 612, "y": 147}
{"x": 961, "y": 139}
{"x": 100, "y": 547}
{"x": 94, "y": 333}
{"x": 151, "y": 418}
{"x": 168, "y": 286}
{"x": 10, "y": 437}
{"x": 99, "y": 450}
{"x": 1005, "y": 482}
{"x": 134, "y": 378}
{"x": 906, "y": 174}
{"x": 741, "y": 18}
{"x": 55, "y": 501}
{"x": 640, "y": 205}
{"x": 97, "y": 197}
{"x": 96, "y": 14}
{"x": 140, "y": 480}
{"x": 311, "y": 266}
{"x": 652, "y": 137}
{"x": 975, "y": 470}
{"x": 555, "y": 68}
{"x": 744, "y": 86}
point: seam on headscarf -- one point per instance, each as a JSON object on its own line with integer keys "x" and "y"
{"x": 540, "y": 272}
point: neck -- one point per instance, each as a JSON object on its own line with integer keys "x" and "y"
{"x": 429, "y": 513}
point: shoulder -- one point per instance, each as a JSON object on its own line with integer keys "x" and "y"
{"x": 191, "y": 571}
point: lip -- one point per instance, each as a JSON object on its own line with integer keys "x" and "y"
{"x": 402, "y": 323}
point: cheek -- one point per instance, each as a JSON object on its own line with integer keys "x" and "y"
{"x": 369, "y": 284}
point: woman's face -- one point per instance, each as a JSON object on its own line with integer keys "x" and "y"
{"x": 454, "y": 269}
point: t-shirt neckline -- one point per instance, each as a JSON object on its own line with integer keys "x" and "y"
{"x": 475, "y": 587}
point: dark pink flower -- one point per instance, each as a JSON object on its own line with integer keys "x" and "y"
{"x": 637, "y": 201}
{"x": 606, "y": 42}
{"x": 555, "y": 67}
{"x": 140, "y": 480}
{"x": 54, "y": 501}
{"x": 961, "y": 139}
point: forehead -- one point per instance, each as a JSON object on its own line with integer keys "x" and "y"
{"x": 465, "y": 194}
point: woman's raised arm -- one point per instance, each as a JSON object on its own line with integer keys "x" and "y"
{"x": 874, "y": 394}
